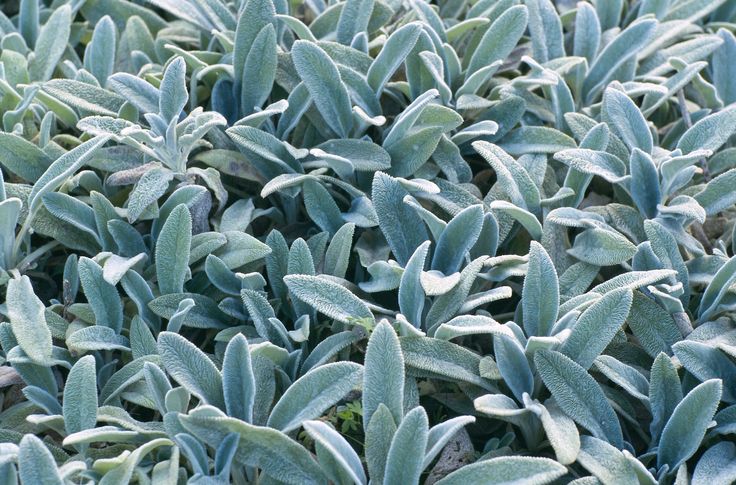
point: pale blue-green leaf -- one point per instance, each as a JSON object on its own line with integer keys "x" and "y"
{"x": 340, "y": 450}
{"x": 22, "y": 158}
{"x": 709, "y": 133}
{"x": 99, "y": 56}
{"x": 398, "y": 45}
{"x": 259, "y": 71}
{"x": 36, "y": 463}
{"x": 724, "y": 70}
{"x": 314, "y": 393}
{"x": 602, "y": 247}
{"x": 513, "y": 364}
{"x": 173, "y": 90}
{"x": 587, "y": 32}
{"x": 457, "y": 238}
{"x": 644, "y": 183}
{"x": 101, "y": 295}
{"x": 238, "y": 381}
{"x": 620, "y": 50}
{"x": 540, "y": 294}
{"x": 625, "y": 376}
{"x": 383, "y": 381}
{"x": 665, "y": 393}
{"x": 354, "y": 19}
{"x": 545, "y": 29}
{"x": 51, "y": 44}
{"x": 96, "y": 337}
{"x": 281, "y": 458}
{"x": 499, "y": 39}
{"x": 686, "y": 427}
{"x": 406, "y": 454}
{"x": 579, "y": 395}
{"x": 191, "y": 368}
{"x": 596, "y": 327}
{"x": 593, "y": 162}
{"x": 560, "y": 429}
{"x": 717, "y": 465}
{"x": 708, "y": 362}
{"x": 322, "y": 79}
{"x": 62, "y": 168}
{"x": 626, "y": 120}
{"x": 507, "y": 470}
{"x": 398, "y": 222}
{"x": 28, "y": 321}
{"x": 328, "y": 298}
{"x": 605, "y": 462}
{"x": 80, "y": 396}
{"x": 172, "y": 251}
{"x": 439, "y": 358}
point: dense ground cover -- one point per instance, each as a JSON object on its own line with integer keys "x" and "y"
{"x": 262, "y": 241}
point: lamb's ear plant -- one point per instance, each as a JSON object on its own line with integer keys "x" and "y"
{"x": 367, "y": 241}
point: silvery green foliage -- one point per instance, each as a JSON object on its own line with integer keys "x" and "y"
{"x": 367, "y": 241}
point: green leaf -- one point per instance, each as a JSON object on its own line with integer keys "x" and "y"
{"x": 328, "y": 298}
{"x": 28, "y": 321}
{"x": 507, "y": 470}
{"x": 579, "y": 395}
{"x": 540, "y": 298}
{"x": 685, "y": 429}
{"x": 322, "y": 79}
{"x": 314, "y": 393}
{"x": 172, "y": 251}
{"x": 191, "y": 368}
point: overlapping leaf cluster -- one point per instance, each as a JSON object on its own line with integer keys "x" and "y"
{"x": 385, "y": 241}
